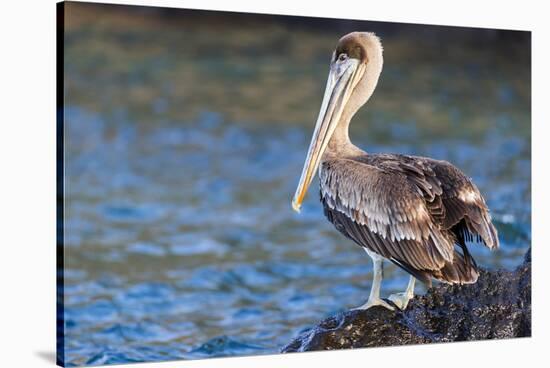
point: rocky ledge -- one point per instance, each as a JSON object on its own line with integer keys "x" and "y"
{"x": 497, "y": 306}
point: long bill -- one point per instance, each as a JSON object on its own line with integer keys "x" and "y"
{"x": 342, "y": 78}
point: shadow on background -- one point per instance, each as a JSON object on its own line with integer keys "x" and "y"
{"x": 48, "y": 356}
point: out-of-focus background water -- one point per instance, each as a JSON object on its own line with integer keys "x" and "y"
{"x": 185, "y": 133}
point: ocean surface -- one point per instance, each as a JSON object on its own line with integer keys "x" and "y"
{"x": 182, "y": 153}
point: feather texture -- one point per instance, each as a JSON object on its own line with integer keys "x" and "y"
{"x": 415, "y": 211}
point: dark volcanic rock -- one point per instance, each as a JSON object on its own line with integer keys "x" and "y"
{"x": 497, "y": 306}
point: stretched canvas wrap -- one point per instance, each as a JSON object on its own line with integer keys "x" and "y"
{"x": 187, "y": 138}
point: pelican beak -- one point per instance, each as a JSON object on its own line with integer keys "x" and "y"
{"x": 343, "y": 77}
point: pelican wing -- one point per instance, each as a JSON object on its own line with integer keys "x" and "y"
{"x": 408, "y": 209}
{"x": 388, "y": 213}
{"x": 465, "y": 210}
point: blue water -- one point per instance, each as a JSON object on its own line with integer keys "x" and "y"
{"x": 180, "y": 241}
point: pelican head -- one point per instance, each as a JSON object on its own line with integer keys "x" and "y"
{"x": 355, "y": 66}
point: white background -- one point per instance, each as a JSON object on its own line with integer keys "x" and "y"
{"x": 27, "y": 177}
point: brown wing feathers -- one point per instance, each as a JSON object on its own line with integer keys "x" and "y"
{"x": 384, "y": 212}
{"x": 463, "y": 203}
{"x": 411, "y": 210}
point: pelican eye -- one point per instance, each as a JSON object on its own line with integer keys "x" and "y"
{"x": 342, "y": 57}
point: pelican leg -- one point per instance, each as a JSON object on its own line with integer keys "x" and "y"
{"x": 374, "y": 297}
{"x": 402, "y": 299}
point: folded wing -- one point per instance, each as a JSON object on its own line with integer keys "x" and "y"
{"x": 414, "y": 211}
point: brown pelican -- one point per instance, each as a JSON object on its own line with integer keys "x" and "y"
{"x": 417, "y": 212}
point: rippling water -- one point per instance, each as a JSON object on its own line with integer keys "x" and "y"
{"x": 180, "y": 242}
